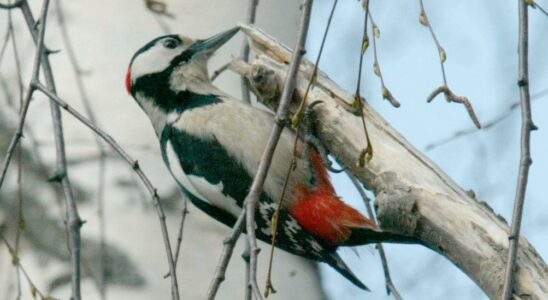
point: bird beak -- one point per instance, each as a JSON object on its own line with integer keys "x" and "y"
{"x": 213, "y": 43}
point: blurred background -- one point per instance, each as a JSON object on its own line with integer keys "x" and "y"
{"x": 480, "y": 40}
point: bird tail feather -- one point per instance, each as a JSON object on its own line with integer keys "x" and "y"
{"x": 364, "y": 235}
{"x": 336, "y": 262}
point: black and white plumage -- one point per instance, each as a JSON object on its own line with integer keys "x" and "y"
{"x": 212, "y": 144}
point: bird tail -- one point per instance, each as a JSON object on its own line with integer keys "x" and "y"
{"x": 336, "y": 262}
{"x": 364, "y": 235}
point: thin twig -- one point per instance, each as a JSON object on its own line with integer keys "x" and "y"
{"x": 219, "y": 71}
{"x": 180, "y": 233}
{"x": 248, "y": 215}
{"x": 366, "y": 154}
{"x": 228, "y": 249}
{"x": 16, "y": 59}
{"x": 525, "y": 161}
{"x": 17, "y": 262}
{"x": 386, "y": 94}
{"x": 534, "y": 4}
{"x": 464, "y": 132}
{"x": 390, "y": 288}
{"x": 248, "y": 291}
{"x": 266, "y": 159}
{"x": 449, "y": 95}
{"x": 30, "y": 136}
{"x": 423, "y": 19}
{"x": 73, "y": 221}
{"x": 295, "y": 123}
{"x": 20, "y": 222}
{"x": 250, "y": 19}
{"x": 181, "y": 227}
{"x": 137, "y": 169}
{"x": 78, "y": 75}
{"x": 30, "y": 90}
{"x": 5, "y": 42}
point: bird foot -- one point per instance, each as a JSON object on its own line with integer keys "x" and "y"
{"x": 308, "y": 134}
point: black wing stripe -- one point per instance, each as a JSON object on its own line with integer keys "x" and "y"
{"x": 209, "y": 160}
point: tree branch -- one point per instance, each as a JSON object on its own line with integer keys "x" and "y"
{"x": 137, "y": 169}
{"x": 78, "y": 75}
{"x": 251, "y": 15}
{"x": 228, "y": 249}
{"x": 413, "y": 195}
{"x": 525, "y": 161}
{"x": 390, "y": 287}
{"x": 266, "y": 159}
{"x": 72, "y": 219}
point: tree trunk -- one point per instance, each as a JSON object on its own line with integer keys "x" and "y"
{"x": 413, "y": 195}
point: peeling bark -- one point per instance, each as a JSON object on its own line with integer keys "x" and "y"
{"x": 413, "y": 195}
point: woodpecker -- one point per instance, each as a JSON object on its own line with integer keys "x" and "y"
{"x": 212, "y": 144}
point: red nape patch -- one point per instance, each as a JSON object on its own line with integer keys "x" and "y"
{"x": 128, "y": 81}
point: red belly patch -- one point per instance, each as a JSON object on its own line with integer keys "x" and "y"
{"x": 326, "y": 217}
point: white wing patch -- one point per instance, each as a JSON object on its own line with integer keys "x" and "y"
{"x": 199, "y": 187}
{"x": 214, "y": 195}
{"x": 291, "y": 228}
{"x": 315, "y": 245}
{"x": 266, "y": 210}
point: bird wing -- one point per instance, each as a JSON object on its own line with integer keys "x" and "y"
{"x": 218, "y": 185}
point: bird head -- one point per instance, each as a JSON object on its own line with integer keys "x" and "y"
{"x": 172, "y": 63}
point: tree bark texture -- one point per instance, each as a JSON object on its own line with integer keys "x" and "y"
{"x": 413, "y": 195}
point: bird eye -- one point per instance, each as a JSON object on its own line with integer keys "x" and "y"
{"x": 171, "y": 43}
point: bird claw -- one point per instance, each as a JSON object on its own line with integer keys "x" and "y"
{"x": 310, "y": 138}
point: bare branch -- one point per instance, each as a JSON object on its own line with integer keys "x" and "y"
{"x": 486, "y": 125}
{"x": 296, "y": 120}
{"x": 386, "y": 94}
{"x": 357, "y": 106}
{"x": 30, "y": 90}
{"x": 20, "y": 222}
{"x": 248, "y": 291}
{"x": 266, "y": 159}
{"x": 411, "y": 191}
{"x": 390, "y": 288}
{"x": 219, "y": 71}
{"x": 180, "y": 233}
{"x": 525, "y": 161}
{"x": 17, "y": 262}
{"x": 251, "y": 15}
{"x": 449, "y": 95}
{"x": 457, "y": 99}
{"x": 534, "y": 4}
{"x": 73, "y": 221}
{"x": 78, "y": 75}
{"x": 136, "y": 168}
{"x": 228, "y": 249}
